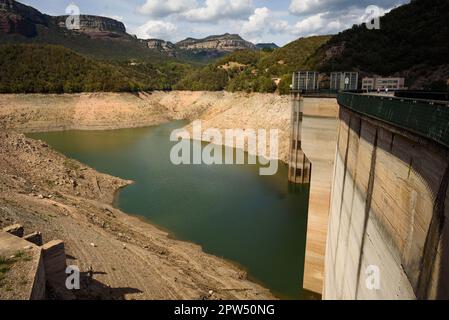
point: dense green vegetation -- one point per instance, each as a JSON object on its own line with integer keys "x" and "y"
{"x": 412, "y": 40}
{"x": 255, "y": 71}
{"x": 406, "y": 45}
{"x": 411, "y": 43}
{"x": 123, "y": 48}
{"x": 39, "y": 68}
{"x": 103, "y": 49}
{"x": 55, "y": 69}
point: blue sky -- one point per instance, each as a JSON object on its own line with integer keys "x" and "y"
{"x": 256, "y": 20}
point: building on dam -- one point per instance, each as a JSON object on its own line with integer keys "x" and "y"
{"x": 344, "y": 81}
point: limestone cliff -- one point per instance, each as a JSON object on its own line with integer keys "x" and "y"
{"x": 161, "y": 46}
{"x": 95, "y": 26}
{"x": 227, "y": 42}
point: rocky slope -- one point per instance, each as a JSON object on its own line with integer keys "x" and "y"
{"x": 102, "y": 111}
{"x": 18, "y": 18}
{"x": 98, "y": 37}
{"x": 95, "y": 111}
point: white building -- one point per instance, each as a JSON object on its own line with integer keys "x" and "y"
{"x": 383, "y": 83}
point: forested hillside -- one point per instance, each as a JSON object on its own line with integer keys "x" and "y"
{"x": 55, "y": 69}
{"x": 255, "y": 71}
{"x": 412, "y": 42}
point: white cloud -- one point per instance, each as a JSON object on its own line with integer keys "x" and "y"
{"x": 333, "y": 22}
{"x": 163, "y": 8}
{"x": 214, "y": 10}
{"x": 156, "y": 29}
{"x": 306, "y": 6}
{"x": 316, "y": 24}
{"x": 260, "y": 23}
{"x": 311, "y": 7}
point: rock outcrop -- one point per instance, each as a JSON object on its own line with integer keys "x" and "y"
{"x": 11, "y": 23}
{"x": 95, "y": 25}
{"x": 162, "y": 46}
{"x": 18, "y": 18}
{"x": 227, "y": 43}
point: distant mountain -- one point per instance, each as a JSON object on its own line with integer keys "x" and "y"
{"x": 16, "y": 18}
{"x": 98, "y": 37}
{"x": 106, "y": 38}
{"x": 262, "y": 46}
{"x": 222, "y": 43}
{"x": 214, "y": 47}
{"x": 412, "y": 42}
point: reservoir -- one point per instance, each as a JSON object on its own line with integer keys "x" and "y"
{"x": 231, "y": 211}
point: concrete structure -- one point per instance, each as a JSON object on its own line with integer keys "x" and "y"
{"x": 388, "y": 231}
{"x": 313, "y": 141}
{"x": 299, "y": 166}
{"x": 376, "y": 83}
{"x": 312, "y": 154}
{"x": 305, "y": 81}
{"x": 341, "y": 81}
{"x": 30, "y": 284}
{"x": 319, "y": 140}
{"x": 39, "y": 265}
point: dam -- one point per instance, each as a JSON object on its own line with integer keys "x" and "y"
{"x": 390, "y": 200}
{"x": 387, "y": 235}
{"x": 378, "y": 196}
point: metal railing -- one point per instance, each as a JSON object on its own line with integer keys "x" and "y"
{"x": 429, "y": 119}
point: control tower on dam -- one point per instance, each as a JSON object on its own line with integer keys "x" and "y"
{"x": 388, "y": 234}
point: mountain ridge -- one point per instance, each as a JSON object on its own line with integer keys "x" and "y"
{"x": 19, "y": 20}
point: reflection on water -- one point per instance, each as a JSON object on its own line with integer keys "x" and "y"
{"x": 229, "y": 210}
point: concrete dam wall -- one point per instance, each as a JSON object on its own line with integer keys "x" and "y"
{"x": 388, "y": 235}
{"x": 319, "y": 138}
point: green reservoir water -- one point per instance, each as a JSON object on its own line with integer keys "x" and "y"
{"x": 230, "y": 210}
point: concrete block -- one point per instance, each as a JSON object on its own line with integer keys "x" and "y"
{"x": 35, "y": 237}
{"x": 16, "y": 230}
{"x": 54, "y": 259}
{"x": 39, "y": 284}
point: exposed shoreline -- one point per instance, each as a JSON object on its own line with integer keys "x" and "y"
{"x": 39, "y": 113}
